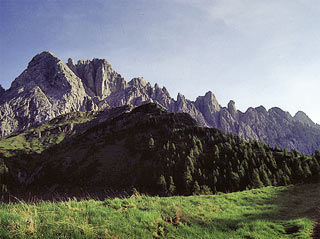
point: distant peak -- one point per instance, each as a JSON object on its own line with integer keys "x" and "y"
{"x": 300, "y": 113}
{"x": 43, "y": 69}
{"x": 44, "y": 56}
{"x": 231, "y": 103}
{"x": 180, "y": 97}
{"x": 47, "y": 53}
{"x": 208, "y": 99}
{"x": 70, "y": 61}
{"x": 303, "y": 118}
{"x": 232, "y": 107}
{"x": 138, "y": 81}
{"x": 209, "y": 94}
{"x": 94, "y": 61}
{"x": 261, "y": 109}
{"x": 100, "y": 60}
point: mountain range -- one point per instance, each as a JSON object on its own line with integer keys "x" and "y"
{"x": 49, "y": 88}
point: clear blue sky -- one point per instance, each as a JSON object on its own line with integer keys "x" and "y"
{"x": 251, "y": 51}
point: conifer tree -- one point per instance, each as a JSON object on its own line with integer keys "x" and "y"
{"x": 256, "y": 181}
{"x": 163, "y": 185}
{"x": 172, "y": 187}
{"x": 196, "y": 188}
{"x": 187, "y": 179}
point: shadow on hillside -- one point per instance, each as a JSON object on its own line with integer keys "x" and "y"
{"x": 53, "y": 195}
{"x": 294, "y": 202}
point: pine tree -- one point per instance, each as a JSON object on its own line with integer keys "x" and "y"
{"x": 172, "y": 187}
{"x": 216, "y": 153}
{"x": 196, "y": 188}
{"x": 315, "y": 167}
{"x": 306, "y": 171}
{"x": 187, "y": 180}
{"x": 287, "y": 171}
{"x": 3, "y": 172}
{"x": 256, "y": 181}
{"x": 265, "y": 179}
{"x": 163, "y": 185}
{"x": 235, "y": 180}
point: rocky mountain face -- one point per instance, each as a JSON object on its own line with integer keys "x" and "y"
{"x": 304, "y": 119}
{"x": 46, "y": 89}
{"x": 49, "y": 88}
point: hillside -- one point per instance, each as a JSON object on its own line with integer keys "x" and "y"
{"x": 147, "y": 148}
{"x": 49, "y": 88}
{"x": 269, "y": 213}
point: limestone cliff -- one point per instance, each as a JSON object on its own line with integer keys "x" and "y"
{"x": 49, "y": 87}
{"x": 46, "y": 89}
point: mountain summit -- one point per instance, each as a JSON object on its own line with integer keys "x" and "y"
{"x": 49, "y": 88}
{"x": 304, "y": 118}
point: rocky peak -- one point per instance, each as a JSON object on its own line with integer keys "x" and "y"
{"x": 157, "y": 87}
{"x": 71, "y": 65}
{"x": 209, "y": 107}
{"x": 42, "y": 68}
{"x": 261, "y": 109}
{"x": 70, "y": 62}
{"x": 232, "y": 108}
{"x": 46, "y": 89}
{"x": 99, "y": 76}
{"x": 303, "y": 118}
{"x": 43, "y": 56}
{"x": 49, "y": 88}
{"x": 181, "y": 99}
{"x": 208, "y": 100}
{"x": 165, "y": 91}
{"x": 138, "y": 82}
{"x": 280, "y": 114}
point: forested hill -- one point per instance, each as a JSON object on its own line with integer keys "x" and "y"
{"x": 149, "y": 149}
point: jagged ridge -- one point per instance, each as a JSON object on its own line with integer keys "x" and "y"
{"x": 49, "y": 88}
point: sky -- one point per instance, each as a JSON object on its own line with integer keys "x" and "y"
{"x": 255, "y": 52}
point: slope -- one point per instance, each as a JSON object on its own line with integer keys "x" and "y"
{"x": 269, "y": 213}
{"x": 156, "y": 152}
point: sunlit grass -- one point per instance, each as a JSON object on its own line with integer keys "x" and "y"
{"x": 272, "y": 212}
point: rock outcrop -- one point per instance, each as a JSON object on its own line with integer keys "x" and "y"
{"x": 46, "y": 89}
{"x": 304, "y": 119}
{"x": 49, "y": 87}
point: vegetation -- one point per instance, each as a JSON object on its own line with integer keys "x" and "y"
{"x": 37, "y": 139}
{"x": 271, "y": 212}
{"x": 158, "y": 153}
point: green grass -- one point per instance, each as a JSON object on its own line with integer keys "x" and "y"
{"x": 51, "y": 134}
{"x": 272, "y": 212}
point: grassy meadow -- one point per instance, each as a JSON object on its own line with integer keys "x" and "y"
{"x": 271, "y": 212}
